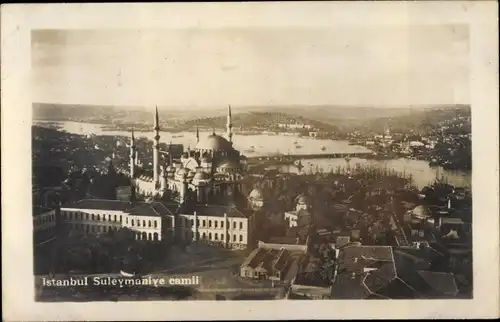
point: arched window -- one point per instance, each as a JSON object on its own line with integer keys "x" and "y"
{"x": 241, "y": 225}
{"x": 204, "y": 223}
{"x": 216, "y": 237}
{"x": 222, "y": 224}
{"x": 241, "y": 238}
{"x": 149, "y": 223}
{"x": 209, "y": 224}
{"x": 150, "y": 236}
{"x": 204, "y": 236}
{"x": 221, "y": 236}
{"x": 93, "y": 217}
{"x": 215, "y": 223}
{"x": 234, "y": 237}
{"x": 120, "y": 218}
{"x": 87, "y": 216}
{"x": 209, "y": 236}
{"x": 138, "y": 223}
{"x": 234, "y": 224}
{"x": 155, "y": 223}
{"x": 143, "y": 223}
{"x": 115, "y": 217}
{"x": 155, "y": 236}
{"x": 132, "y": 222}
{"x": 144, "y": 236}
{"x": 98, "y": 217}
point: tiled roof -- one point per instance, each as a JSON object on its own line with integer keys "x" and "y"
{"x": 216, "y": 211}
{"x": 380, "y": 271}
{"x": 102, "y": 204}
{"x": 151, "y": 209}
{"x": 441, "y": 283}
{"x": 363, "y": 270}
{"x": 136, "y": 208}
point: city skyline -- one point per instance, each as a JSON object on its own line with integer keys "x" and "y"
{"x": 391, "y": 65}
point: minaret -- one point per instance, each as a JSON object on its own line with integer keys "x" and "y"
{"x": 132, "y": 156}
{"x": 156, "y": 150}
{"x": 170, "y": 158}
{"x": 229, "y": 125}
{"x": 197, "y": 135}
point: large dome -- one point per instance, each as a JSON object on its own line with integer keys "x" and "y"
{"x": 214, "y": 142}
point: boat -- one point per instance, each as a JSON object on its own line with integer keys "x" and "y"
{"x": 298, "y": 146}
{"x": 323, "y": 148}
{"x": 295, "y": 142}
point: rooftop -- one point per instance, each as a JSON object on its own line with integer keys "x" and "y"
{"x": 386, "y": 272}
{"x": 154, "y": 209}
{"x": 101, "y": 204}
{"x": 214, "y": 211}
{"x": 136, "y": 208}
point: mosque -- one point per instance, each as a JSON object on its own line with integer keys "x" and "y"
{"x": 209, "y": 173}
{"x": 190, "y": 199}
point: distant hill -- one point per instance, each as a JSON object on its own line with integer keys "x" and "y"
{"x": 262, "y": 120}
{"x": 321, "y": 116}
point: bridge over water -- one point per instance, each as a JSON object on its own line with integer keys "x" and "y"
{"x": 291, "y": 158}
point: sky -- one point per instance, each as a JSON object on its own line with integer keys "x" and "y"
{"x": 379, "y": 65}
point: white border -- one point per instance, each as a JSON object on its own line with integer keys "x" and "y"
{"x": 17, "y": 21}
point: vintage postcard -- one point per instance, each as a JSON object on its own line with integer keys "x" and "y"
{"x": 232, "y": 160}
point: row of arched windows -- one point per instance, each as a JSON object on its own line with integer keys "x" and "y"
{"x": 109, "y": 218}
{"x": 95, "y": 217}
{"x": 147, "y": 236}
{"x": 138, "y": 222}
{"x": 215, "y": 224}
{"x": 215, "y": 237}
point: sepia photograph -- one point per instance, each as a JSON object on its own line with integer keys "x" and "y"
{"x": 253, "y": 162}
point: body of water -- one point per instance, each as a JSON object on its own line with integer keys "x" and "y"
{"x": 265, "y": 145}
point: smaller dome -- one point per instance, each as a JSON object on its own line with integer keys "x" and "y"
{"x": 256, "y": 194}
{"x": 201, "y": 176}
{"x": 421, "y": 212}
{"x": 228, "y": 164}
{"x": 302, "y": 199}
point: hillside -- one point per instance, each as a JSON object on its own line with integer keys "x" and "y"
{"x": 258, "y": 120}
{"x": 324, "y": 117}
